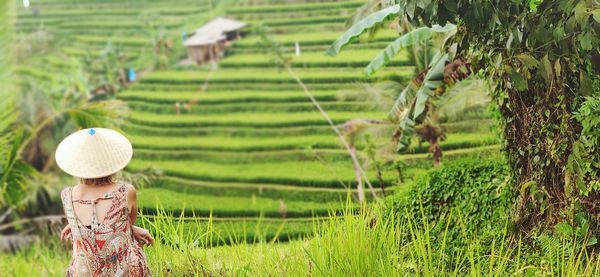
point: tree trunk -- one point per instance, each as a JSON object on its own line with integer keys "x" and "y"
{"x": 432, "y": 133}
{"x": 358, "y": 175}
{"x": 436, "y": 151}
{"x": 540, "y": 132}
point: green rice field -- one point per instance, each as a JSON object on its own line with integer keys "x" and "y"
{"x": 247, "y": 147}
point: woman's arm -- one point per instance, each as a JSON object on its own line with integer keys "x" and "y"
{"x": 138, "y": 232}
{"x": 132, "y": 203}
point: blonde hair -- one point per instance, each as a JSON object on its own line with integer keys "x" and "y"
{"x": 101, "y": 181}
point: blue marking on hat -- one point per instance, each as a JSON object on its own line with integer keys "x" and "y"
{"x": 92, "y": 132}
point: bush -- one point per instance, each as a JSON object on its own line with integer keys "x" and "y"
{"x": 475, "y": 189}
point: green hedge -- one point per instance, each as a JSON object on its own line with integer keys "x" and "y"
{"x": 474, "y": 190}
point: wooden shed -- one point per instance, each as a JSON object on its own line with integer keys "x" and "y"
{"x": 208, "y": 43}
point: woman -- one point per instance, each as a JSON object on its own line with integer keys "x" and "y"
{"x": 101, "y": 211}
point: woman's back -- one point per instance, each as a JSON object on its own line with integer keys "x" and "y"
{"x": 103, "y": 244}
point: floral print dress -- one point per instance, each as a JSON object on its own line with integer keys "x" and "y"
{"x": 105, "y": 248}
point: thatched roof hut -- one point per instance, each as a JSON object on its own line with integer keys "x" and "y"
{"x": 208, "y": 42}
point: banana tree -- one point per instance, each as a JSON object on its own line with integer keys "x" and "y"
{"x": 415, "y": 109}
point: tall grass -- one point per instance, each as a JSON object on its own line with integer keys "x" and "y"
{"x": 366, "y": 244}
{"x": 349, "y": 244}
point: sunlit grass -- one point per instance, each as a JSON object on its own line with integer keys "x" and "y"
{"x": 364, "y": 244}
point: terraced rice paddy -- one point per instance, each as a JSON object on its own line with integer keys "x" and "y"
{"x": 248, "y": 147}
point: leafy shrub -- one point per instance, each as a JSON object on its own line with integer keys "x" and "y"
{"x": 584, "y": 161}
{"x": 475, "y": 189}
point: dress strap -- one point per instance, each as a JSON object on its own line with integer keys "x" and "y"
{"x": 67, "y": 197}
{"x": 106, "y": 196}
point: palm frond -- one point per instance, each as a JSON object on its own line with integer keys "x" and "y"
{"x": 464, "y": 95}
{"x": 403, "y": 102}
{"x": 432, "y": 81}
{"x": 33, "y": 103}
{"x": 14, "y": 174}
{"x": 411, "y": 38}
{"x": 361, "y": 26}
{"x": 109, "y": 114}
{"x": 367, "y": 9}
{"x": 413, "y": 111}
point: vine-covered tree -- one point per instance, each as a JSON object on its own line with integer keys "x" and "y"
{"x": 543, "y": 58}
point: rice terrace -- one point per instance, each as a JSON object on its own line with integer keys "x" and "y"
{"x": 303, "y": 137}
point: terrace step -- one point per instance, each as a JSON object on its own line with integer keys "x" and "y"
{"x": 304, "y": 6}
{"x": 297, "y": 173}
{"x": 236, "y": 156}
{"x": 271, "y": 191}
{"x": 274, "y": 107}
{"x": 235, "y": 86}
{"x": 200, "y": 98}
{"x": 352, "y": 58}
{"x": 240, "y": 144}
{"x": 282, "y": 142}
{"x": 258, "y": 120}
{"x": 248, "y": 75}
{"x": 138, "y": 129}
{"x": 228, "y": 206}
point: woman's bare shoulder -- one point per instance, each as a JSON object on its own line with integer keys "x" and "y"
{"x": 131, "y": 192}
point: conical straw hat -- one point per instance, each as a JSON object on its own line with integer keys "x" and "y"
{"x": 93, "y": 153}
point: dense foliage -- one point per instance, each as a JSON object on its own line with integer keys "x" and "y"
{"x": 475, "y": 187}
{"x": 475, "y": 191}
{"x": 585, "y": 160}
{"x": 541, "y": 57}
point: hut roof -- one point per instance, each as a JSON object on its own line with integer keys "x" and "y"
{"x": 214, "y": 31}
{"x": 199, "y": 39}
